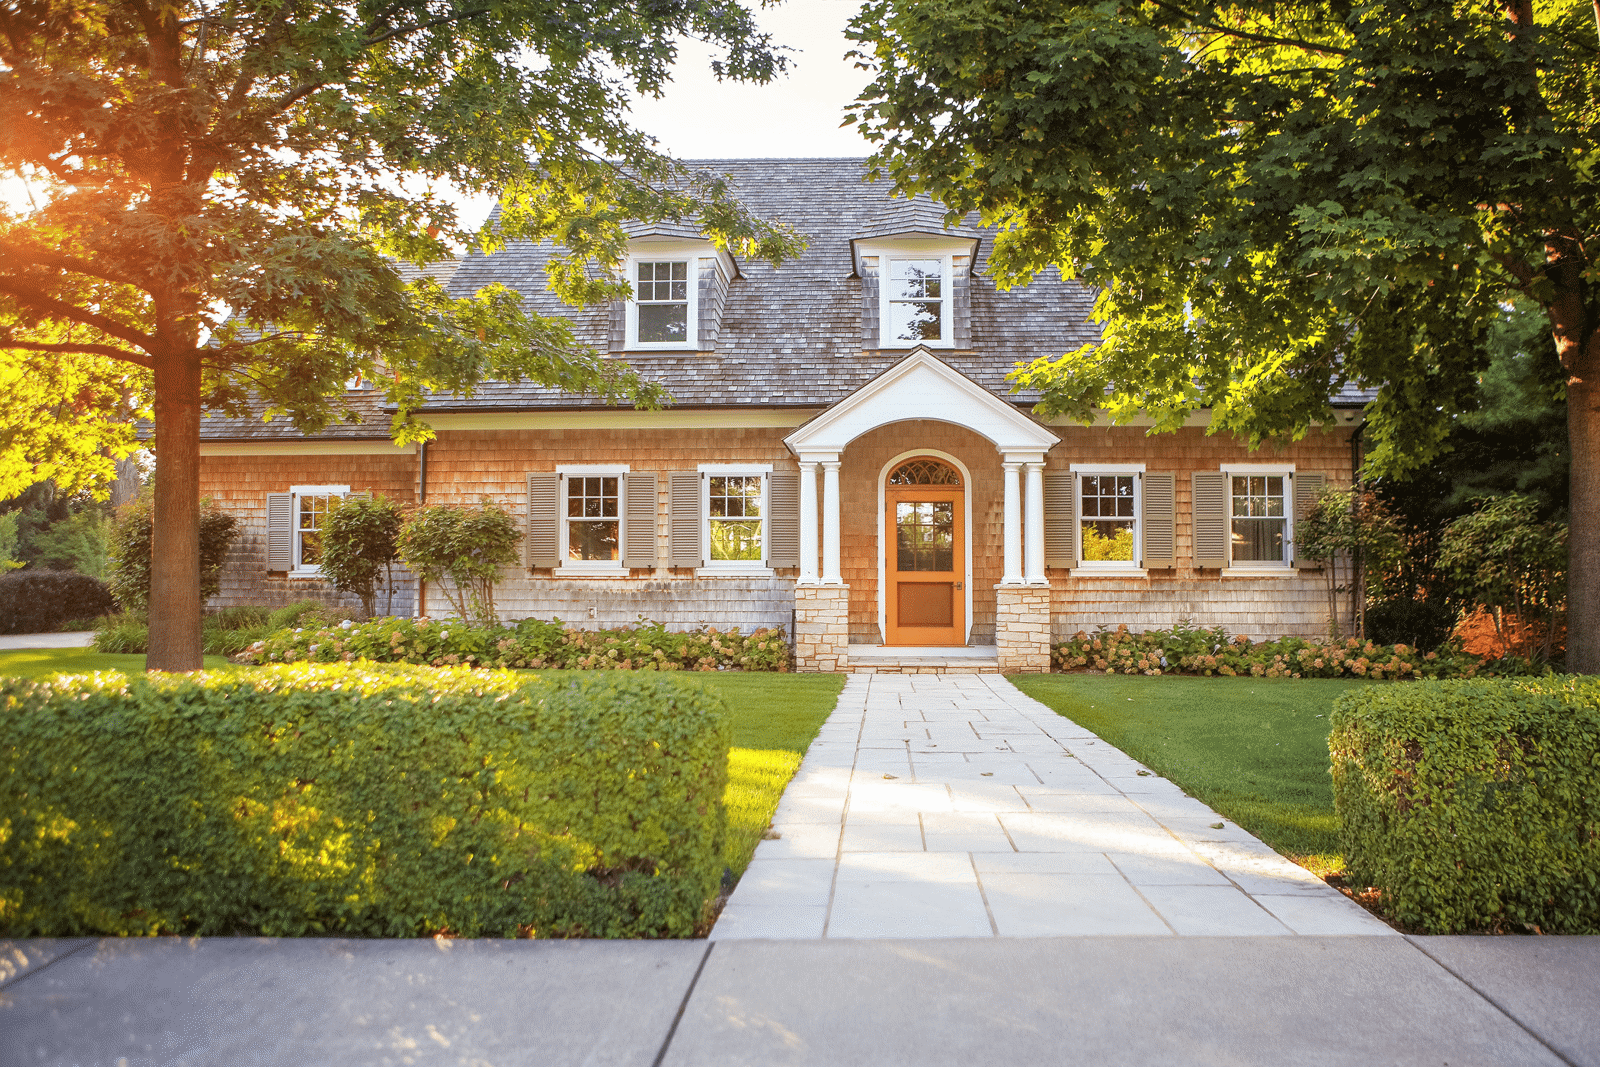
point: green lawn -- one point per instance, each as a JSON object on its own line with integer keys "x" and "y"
{"x": 1255, "y": 749}
{"x": 775, "y": 718}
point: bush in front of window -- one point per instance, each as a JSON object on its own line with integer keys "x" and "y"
{"x": 128, "y": 572}
{"x": 468, "y": 546}
{"x": 532, "y": 643}
{"x": 39, "y": 601}
{"x": 1472, "y": 805}
{"x": 360, "y": 546}
{"x": 360, "y": 801}
{"x": 1187, "y": 649}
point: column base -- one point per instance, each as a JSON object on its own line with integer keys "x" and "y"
{"x": 821, "y": 628}
{"x": 1022, "y": 628}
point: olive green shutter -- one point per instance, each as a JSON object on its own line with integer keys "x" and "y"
{"x": 639, "y": 519}
{"x": 1209, "y": 511}
{"x": 783, "y": 519}
{"x": 1060, "y": 519}
{"x": 280, "y": 531}
{"x": 1159, "y": 519}
{"x": 1307, "y": 488}
{"x": 543, "y": 539}
{"x": 684, "y": 505}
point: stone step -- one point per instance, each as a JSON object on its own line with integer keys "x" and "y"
{"x": 888, "y": 659}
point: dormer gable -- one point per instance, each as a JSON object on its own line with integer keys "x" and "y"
{"x": 680, "y": 286}
{"x": 915, "y": 278}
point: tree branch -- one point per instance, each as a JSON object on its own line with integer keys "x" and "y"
{"x": 400, "y": 31}
{"x": 114, "y": 352}
{"x": 1259, "y": 38}
{"x": 14, "y": 252}
{"x": 60, "y": 308}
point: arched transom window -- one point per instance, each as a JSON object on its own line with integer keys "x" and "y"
{"x": 924, "y": 471}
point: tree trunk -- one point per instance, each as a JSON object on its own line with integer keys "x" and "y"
{"x": 1583, "y": 573}
{"x": 175, "y": 635}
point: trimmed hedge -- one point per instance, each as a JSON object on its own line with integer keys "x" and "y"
{"x": 1474, "y": 804}
{"x": 530, "y": 643}
{"x": 359, "y": 801}
{"x": 1188, "y": 649}
{"x": 39, "y": 601}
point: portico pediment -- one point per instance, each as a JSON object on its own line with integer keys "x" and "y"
{"x": 921, "y": 386}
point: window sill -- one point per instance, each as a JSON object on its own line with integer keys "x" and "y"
{"x": 313, "y": 572}
{"x": 590, "y": 572}
{"x": 1259, "y": 572}
{"x": 1108, "y": 572}
{"x": 733, "y": 572}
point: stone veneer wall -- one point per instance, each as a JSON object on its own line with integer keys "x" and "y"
{"x": 241, "y": 484}
{"x": 1295, "y": 605}
{"x": 860, "y": 470}
{"x": 821, "y": 628}
{"x": 1022, "y": 627}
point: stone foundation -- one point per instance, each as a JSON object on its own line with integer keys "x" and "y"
{"x": 822, "y": 628}
{"x": 1022, "y": 627}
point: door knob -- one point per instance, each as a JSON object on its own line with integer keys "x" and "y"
{"x": 958, "y": 585}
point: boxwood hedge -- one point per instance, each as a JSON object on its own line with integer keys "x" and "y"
{"x": 359, "y": 801}
{"x": 1474, "y": 804}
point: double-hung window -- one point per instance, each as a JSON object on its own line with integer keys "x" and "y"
{"x": 734, "y": 501}
{"x": 1259, "y": 516}
{"x": 665, "y": 307}
{"x": 591, "y": 518}
{"x": 311, "y": 504}
{"x": 1108, "y": 509}
{"x": 916, "y": 293}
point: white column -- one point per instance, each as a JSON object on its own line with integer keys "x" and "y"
{"x": 1035, "y": 517}
{"x": 808, "y": 522}
{"x": 830, "y": 523}
{"x": 1013, "y": 561}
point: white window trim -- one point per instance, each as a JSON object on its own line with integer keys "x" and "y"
{"x": 666, "y": 251}
{"x": 296, "y": 569}
{"x": 1253, "y": 568}
{"x": 1105, "y": 568}
{"x": 916, "y": 248}
{"x": 735, "y": 567}
{"x": 592, "y": 566}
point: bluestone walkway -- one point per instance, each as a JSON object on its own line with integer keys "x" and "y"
{"x": 938, "y": 806}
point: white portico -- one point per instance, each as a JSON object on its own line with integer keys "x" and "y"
{"x": 930, "y": 490}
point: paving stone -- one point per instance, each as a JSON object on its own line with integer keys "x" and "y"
{"x": 908, "y": 909}
{"x": 780, "y": 922}
{"x": 901, "y": 795}
{"x": 951, "y": 867}
{"x": 1066, "y": 803}
{"x": 1067, "y": 905}
{"x": 1172, "y": 869}
{"x": 1042, "y": 863}
{"x": 801, "y": 840}
{"x": 787, "y": 882}
{"x": 982, "y": 796}
{"x": 963, "y": 832}
{"x": 864, "y": 833}
{"x": 1213, "y": 911}
{"x": 1324, "y": 914}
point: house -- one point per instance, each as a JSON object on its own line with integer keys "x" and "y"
{"x": 844, "y": 458}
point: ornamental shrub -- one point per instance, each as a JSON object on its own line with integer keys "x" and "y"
{"x": 1187, "y": 649}
{"x": 39, "y": 601}
{"x": 1474, "y": 804}
{"x": 359, "y": 548}
{"x": 360, "y": 801}
{"x": 128, "y": 572}
{"x": 531, "y": 643}
{"x": 466, "y": 545}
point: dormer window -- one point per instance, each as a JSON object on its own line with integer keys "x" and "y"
{"x": 916, "y": 292}
{"x": 661, "y": 296}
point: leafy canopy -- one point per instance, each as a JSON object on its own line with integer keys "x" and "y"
{"x": 233, "y": 183}
{"x": 1273, "y": 200}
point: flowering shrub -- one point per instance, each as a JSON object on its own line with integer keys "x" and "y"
{"x": 530, "y": 643}
{"x": 1186, "y": 649}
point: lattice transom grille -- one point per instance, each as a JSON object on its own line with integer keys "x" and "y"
{"x": 925, "y": 472}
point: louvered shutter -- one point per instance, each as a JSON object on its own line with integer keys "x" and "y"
{"x": 617, "y": 332}
{"x": 869, "y": 302}
{"x": 280, "y": 531}
{"x": 639, "y": 519}
{"x": 1060, "y": 520}
{"x": 1307, "y": 489}
{"x": 543, "y": 540}
{"x": 961, "y": 302}
{"x": 1209, "y": 512}
{"x": 1159, "y": 519}
{"x": 684, "y": 505}
{"x": 783, "y": 519}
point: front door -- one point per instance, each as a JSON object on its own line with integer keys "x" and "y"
{"x": 926, "y": 554}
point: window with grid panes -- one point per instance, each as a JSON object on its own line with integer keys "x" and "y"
{"x": 594, "y": 523}
{"x": 734, "y": 517}
{"x": 1259, "y": 516}
{"x": 1108, "y": 506}
{"x": 916, "y": 299}
{"x": 925, "y": 536}
{"x": 661, "y": 296}
{"x": 312, "y": 510}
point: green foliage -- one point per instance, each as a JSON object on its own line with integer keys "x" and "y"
{"x": 466, "y": 545}
{"x": 1474, "y": 805}
{"x": 1353, "y": 531}
{"x": 531, "y": 643}
{"x": 8, "y": 542}
{"x": 227, "y": 632}
{"x": 355, "y": 801}
{"x": 39, "y": 601}
{"x": 304, "y": 614}
{"x": 1271, "y": 200}
{"x": 1187, "y": 649}
{"x": 359, "y": 549}
{"x": 78, "y": 542}
{"x": 1503, "y": 558}
{"x": 129, "y": 550}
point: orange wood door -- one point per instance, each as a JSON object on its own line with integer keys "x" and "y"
{"x": 925, "y": 565}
